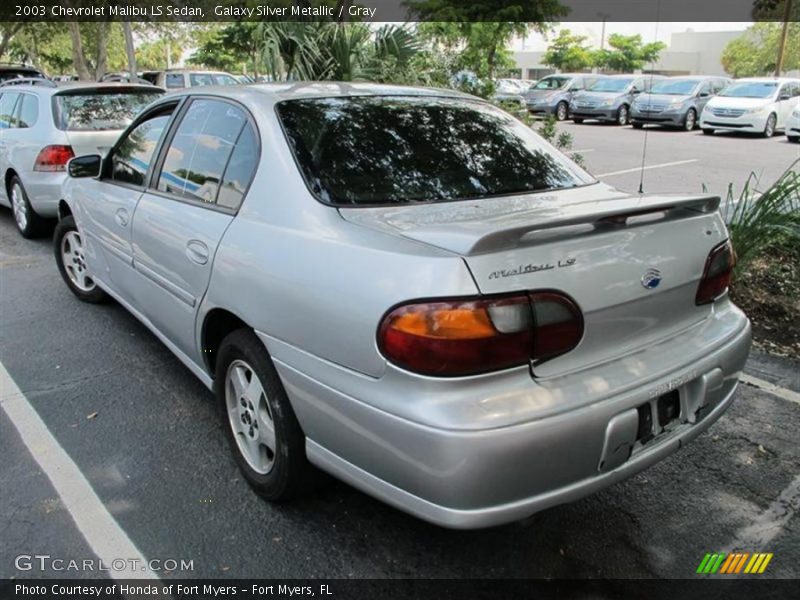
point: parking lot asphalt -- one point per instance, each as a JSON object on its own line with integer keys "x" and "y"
{"x": 144, "y": 433}
{"x": 679, "y": 161}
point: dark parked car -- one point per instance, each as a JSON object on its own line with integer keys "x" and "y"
{"x": 610, "y": 99}
{"x": 551, "y": 95}
{"x": 676, "y": 101}
{"x": 15, "y": 71}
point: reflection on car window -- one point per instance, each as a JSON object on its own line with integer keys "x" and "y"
{"x": 200, "y": 149}
{"x": 395, "y": 150}
{"x": 29, "y": 111}
{"x": 7, "y": 103}
{"x": 240, "y": 170}
{"x": 100, "y": 111}
{"x": 132, "y": 158}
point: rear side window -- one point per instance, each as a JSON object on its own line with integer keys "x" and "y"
{"x": 29, "y": 110}
{"x": 8, "y": 102}
{"x": 240, "y": 170}
{"x": 200, "y": 149}
{"x": 99, "y": 110}
{"x": 175, "y": 81}
{"x": 132, "y": 158}
{"x": 404, "y": 149}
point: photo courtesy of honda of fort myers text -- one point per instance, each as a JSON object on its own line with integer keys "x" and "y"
{"x": 399, "y": 299}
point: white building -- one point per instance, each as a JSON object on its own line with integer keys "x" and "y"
{"x": 688, "y": 53}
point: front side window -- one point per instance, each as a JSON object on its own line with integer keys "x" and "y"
{"x": 405, "y": 149}
{"x": 674, "y": 87}
{"x": 611, "y": 85}
{"x": 101, "y": 109}
{"x": 132, "y": 158}
{"x": 200, "y": 149}
{"x": 551, "y": 83}
{"x": 8, "y": 103}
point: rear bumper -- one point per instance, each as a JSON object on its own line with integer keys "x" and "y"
{"x": 44, "y": 191}
{"x": 464, "y": 478}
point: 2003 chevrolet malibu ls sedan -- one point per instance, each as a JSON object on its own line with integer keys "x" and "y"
{"x": 410, "y": 290}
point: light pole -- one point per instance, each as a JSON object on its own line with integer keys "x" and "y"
{"x": 603, "y": 16}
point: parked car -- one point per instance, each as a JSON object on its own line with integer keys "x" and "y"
{"x": 676, "y": 101}
{"x": 756, "y": 105}
{"x": 123, "y": 77}
{"x": 369, "y": 279}
{"x": 793, "y": 125}
{"x": 551, "y": 95}
{"x": 508, "y": 90}
{"x": 176, "y": 79}
{"x": 43, "y": 126}
{"x": 19, "y": 71}
{"x": 610, "y": 98}
{"x": 243, "y": 78}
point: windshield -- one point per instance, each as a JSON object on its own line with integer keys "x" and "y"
{"x": 750, "y": 89}
{"x": 211, "y": 79}
{"x": 399, "y": 150}
{"x": 551, "y": 83}
{"x": 611, "y": 85}
{"x": 99, "y": 110}
{"x": 675, "y": 87}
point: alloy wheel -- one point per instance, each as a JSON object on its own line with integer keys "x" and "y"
{"x": 250, "y": 416}
{"x": 622, "y": 116}
{"x": 19, "y": 206}
{"x": 72, "y": 255}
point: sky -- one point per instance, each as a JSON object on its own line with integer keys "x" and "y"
{"x": 649, "y": 31}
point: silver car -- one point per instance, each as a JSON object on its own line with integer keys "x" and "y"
{"x": 42, "y": 126}
{"x": 410, "y": 290}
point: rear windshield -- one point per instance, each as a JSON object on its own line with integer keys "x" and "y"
{"x": 399, "y": 150}
{"x": 99, "y": 110}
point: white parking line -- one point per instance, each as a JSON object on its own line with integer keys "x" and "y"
{"x": 103, "y": 534}
{"x": 771, "y": 388}
{"x": 648, "y": 167}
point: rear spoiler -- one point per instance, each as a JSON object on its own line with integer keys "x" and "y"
{"x": 471, "y": 237}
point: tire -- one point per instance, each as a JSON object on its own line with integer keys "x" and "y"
{"x": 793, "y": 139}
{"x": 28, "y": 223}
{"x": 258, "y": 415}
{"x": 690, "y": 120}
{"x": 623, "y": 115}
{"x": 69, "y": 251}
{"x": 562, "y": 111}
{"x": 577, "y": 121}
{"x": 769, "y": 126}
{"x": 637, "y": 125}
{"x": 708, "y": 132}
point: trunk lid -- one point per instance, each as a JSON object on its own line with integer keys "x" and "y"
{"x": 632, "y": 263}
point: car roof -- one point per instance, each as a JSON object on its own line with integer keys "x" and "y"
{"x": 277, "y": 92}
{"x": 769, "y": 79}
{"x": 698, "y": 77}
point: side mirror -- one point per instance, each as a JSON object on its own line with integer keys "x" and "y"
{"x": 784, "y": 96}
{"x": 703, "y": 94}
{"x": 85, "y": 166}
{"x": 635, "y": 91}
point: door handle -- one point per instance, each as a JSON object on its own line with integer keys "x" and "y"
{"x": 197, "y": 252}
{"x": 121, "y": 217}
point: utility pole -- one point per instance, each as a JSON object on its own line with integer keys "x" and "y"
{"x": 603, "y": 16}
{"x": 787, "y": 11}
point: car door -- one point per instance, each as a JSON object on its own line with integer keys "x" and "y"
{"x": 182, "y": 217}
{"x": 704, "y": 94}
{"x": 105, "y": 206}
{"x": 8, "y": 103}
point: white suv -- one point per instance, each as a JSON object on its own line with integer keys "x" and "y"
{"x": 42, "y": 126}
{"x": 752, "y": 105}
{"x": 177, "y": 79}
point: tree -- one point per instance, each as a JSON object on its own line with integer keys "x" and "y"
{"x": 627, "y": 53}
{"x": 787, "y": 11}
{"x": 484, "y": 29}
{"x": 756, "y": 51}
{"x": 8, "y": 29}
{"x": 568, "y": 52}
{"x": 129, "y": 48}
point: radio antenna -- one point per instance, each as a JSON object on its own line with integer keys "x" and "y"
{"x": 652, "y": 68}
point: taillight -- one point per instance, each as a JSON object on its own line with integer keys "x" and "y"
{"x": 717, "y": 273}
{"x": 53, "y": 158}
{"x": 478, "y": 335}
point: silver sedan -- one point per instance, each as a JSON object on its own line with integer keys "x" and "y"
{"x": 410, "y": 290}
